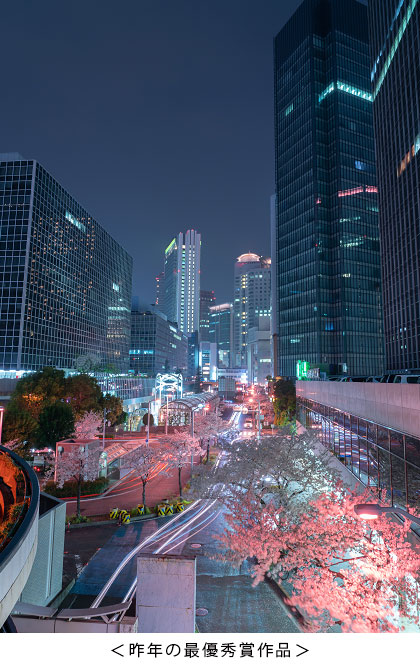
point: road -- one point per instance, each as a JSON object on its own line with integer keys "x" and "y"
{"x": 224, "y": 591}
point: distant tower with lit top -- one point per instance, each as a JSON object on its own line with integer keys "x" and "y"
{"x": 181, "y": 293}
{"x": 252, "y": 299}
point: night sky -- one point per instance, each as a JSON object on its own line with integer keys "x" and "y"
{"x": 156, "y": 115}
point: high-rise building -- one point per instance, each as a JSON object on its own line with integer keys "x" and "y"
{"x": 221, "y": 332}
{"x": 207, "y": 299}
{"x": 327, "y": 238}
{"x": 395, "y": 74}
{"x": 157, "y": 345}
{"x": 252, "y": 298}
{"x": 159, "y": 289}
{"x": 182, "y": 281}
{"x": 65, "y": 282}
{"x": 259, "y": 351}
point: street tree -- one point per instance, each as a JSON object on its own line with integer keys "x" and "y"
{"x": 113, "y": 407}
{"x": 87, "y": 427}
{"x": 55, "y": 423}
{"x": 19, "y": 426}
{"x": 339, "y": 568}
{"x": 284, "y": 402}
{"x": 38, "y": 390}
{"x": 83, "y": 394}
{"x": 81, "y": 463}
{"x": 287, "y": 468}
{"x": 147, "y": 462}
{"x": 207, "y": 427}
{"x": 181, "y": 446}
{"x": 87, "y": 363}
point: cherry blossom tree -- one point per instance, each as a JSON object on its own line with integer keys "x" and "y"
{"x": 181, "y": 446}
{"x": 340, "y": 569}
{"x": 288, "y": 468}
{"x": 207, "y": 427}
{"x": 147, "y": 462}
{"x": 87, "y": 427}
{"x": 81, "y": 463}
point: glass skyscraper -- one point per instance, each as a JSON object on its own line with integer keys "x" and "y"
{"x": 65, "y": 282}
{"x": 181, "y": 302}
{"x": 221, "y": 333}
{"x": 326, "y": 238}
{"x": 395, "y": 74}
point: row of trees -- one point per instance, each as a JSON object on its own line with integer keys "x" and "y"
{"x": 290, "y": 514}
{"x": 46, "y": 407}
{"x": 81, "y": 463}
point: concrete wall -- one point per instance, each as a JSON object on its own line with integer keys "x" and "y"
{"x": 15, "y": 571}
{"x": 46, "y": 577}
{"x": 165, "y": 599}
{"x": 393, "y": 405}
{"x": 50, "y": 625}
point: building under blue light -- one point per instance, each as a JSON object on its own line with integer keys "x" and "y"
{"x": 65, "y": 288}
{"x": 326, "y": 245}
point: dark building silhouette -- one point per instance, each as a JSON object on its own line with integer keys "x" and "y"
{"x": 395, "y": 74}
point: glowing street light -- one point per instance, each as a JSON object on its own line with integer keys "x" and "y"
{"x": 371, "y": 511}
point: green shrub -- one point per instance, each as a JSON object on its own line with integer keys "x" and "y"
{"x": 147, "y": 510}
{"x": 134, "y": 512}
{"x": 69, "y": 489}
{"x": 78, "y": 519}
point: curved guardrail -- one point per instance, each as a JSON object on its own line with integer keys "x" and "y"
{"x": 16, "y": 558}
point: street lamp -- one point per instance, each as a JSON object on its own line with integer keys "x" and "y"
{"x": 370, "y": 511}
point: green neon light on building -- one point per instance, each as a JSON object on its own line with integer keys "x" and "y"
{"x": 395, "y": 45}
{"x": 170, "y": 246}
{"x": 302, "y": 368}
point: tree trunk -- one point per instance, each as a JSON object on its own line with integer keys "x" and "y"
{"x": 79, "y": 489}
{"x": 179, "y": 482}
{"x": 208, "y": 450}
{"x": 144, "y": 492}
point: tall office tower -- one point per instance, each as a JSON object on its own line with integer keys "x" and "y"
{"x": 327, "y": 246}
{"x": 159, "y": 289}
{"x": 221, "y": 332}
{"x": 65, "y": 283}
{"x": 252, "y": 297}
{"x": 274, "y": 334}
{"x": 395, "y": 54}
{"x": 207, "y": 299}
{"x": 182, "y": 281}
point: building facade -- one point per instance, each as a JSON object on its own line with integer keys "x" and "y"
{"x": 157, "y": 345}
{"x": 252, "y": 298}
{"x": 207, "y": 299}
{"x": 159, "y": 290}
{"x": 221, "y": 332}
{"x": 328, "y": 286}
{"x": 259, "y": 351}
{"x": 395, "y": 75}
{"x": 182, "y": 281}
{"x": 373, "y": 429}
{"x": 57, "y": 300}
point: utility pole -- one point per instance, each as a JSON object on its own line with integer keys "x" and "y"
{"x": 148, "y": 423}
{"x": 103, "y": 431}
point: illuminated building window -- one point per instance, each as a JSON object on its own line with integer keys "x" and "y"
{"x": 398, "y": 37}
{"x": 345, "y": 88}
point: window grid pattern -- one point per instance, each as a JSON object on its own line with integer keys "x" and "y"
{"x": 57, "y": 297}
{"x": 328, "y": 287}
{"x": 385, "y": 460}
